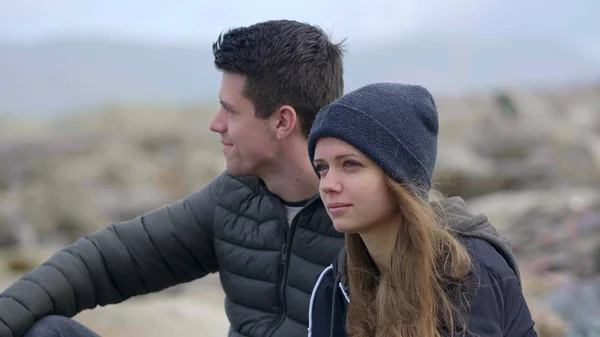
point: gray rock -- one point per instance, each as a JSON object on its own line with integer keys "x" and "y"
{"x": 558, "y": 229}
{"x": 518, "y": 141}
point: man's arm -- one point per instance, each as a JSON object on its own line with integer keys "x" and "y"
{"x": 164, "y": 247}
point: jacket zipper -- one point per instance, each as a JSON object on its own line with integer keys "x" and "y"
{"x": 285, "y": 254}
{"x": 282, "y": 278}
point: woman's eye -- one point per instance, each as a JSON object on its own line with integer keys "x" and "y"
{"x": 320, "y": 168}
{"x": 350, "y": 164}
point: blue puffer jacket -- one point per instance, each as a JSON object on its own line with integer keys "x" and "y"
{"x": 498, "y": 307}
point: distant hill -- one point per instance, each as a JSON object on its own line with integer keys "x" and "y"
{"x": 63, "y": 75}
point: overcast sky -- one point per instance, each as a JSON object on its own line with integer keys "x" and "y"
{"x": 201, "y": 20}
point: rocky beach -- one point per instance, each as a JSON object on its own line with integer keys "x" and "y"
{"x": 530, "y": 160}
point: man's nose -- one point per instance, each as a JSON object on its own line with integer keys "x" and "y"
{"x": 218, "y": 124}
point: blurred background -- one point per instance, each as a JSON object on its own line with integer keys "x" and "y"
{"x": 105, "y": 105}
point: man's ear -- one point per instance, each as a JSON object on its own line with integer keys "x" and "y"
{"x": 284, "y": 121}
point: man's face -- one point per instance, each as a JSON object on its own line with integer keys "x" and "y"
{"x": 249, "y": 143}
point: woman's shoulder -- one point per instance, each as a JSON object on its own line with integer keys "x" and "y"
{"x": 499, "y": 307}
{"x": 488, "y": 263}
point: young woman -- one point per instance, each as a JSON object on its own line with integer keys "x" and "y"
{"x": 407, "y": 270}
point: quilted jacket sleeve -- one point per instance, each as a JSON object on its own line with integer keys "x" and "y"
{"x": 164, "y": 247}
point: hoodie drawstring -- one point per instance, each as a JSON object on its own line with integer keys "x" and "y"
{"x": 333, "y": 305}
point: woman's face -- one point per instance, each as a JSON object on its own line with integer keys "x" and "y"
{"x": 353, "y": 188}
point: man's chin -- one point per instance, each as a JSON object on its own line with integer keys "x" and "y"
{"x": 237, "y": 171}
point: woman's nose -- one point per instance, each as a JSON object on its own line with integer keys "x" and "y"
{"x": 330, "y": 183}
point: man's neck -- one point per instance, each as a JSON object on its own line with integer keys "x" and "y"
{"x": 293, "y": 178}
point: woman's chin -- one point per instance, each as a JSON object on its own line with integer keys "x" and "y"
{"x": 343, "y": 227}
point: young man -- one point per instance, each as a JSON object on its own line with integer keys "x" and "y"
{"x": 260, "y": 224}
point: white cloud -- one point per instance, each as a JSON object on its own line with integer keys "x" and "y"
{"x": 192, "y": 19}
{"x": 358, "y": 20}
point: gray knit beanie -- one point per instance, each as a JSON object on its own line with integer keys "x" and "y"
{"x": 395, "y": 125}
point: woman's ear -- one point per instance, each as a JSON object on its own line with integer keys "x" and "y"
{"x": 284, "y": 121}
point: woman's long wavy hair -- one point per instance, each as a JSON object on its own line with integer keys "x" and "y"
{"x": 422, "y": 294}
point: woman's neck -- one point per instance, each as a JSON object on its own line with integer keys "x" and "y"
{"x": 380, "y": 242}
